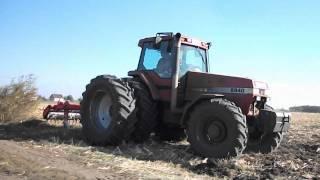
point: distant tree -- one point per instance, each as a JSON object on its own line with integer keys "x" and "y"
{"x": 311, "y": 109}
{"x": 79, "y": 99}
{"x": 42, "y": 98}
{"x": 19, "y": 99}
{"x": 69, "y": 98}
{"x": 283, "y": 110}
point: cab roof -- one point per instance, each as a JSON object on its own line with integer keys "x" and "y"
{"x": 184, "y": 40}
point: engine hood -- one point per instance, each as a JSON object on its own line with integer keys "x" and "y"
{"x": 221, "y": 84}
{"x": 242, "y": 91}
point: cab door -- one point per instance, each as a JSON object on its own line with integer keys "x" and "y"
{"x": 156, "y": 66}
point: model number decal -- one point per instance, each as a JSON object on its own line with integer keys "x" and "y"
{"x": 237, "y": 90}
{"x": 223, "y": 90}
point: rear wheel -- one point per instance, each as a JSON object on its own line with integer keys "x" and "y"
{"x": 217, "y": 129}
{"x": 264, "y": 142}
{"x": 147, "y": 112}
{"x": 107, "y": 109}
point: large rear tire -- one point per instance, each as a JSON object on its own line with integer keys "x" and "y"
{"x": 107, "y": 111}
{"x": 147, "y": 112}
{"x": 217, "y": 129}
{"x": 264, "y": 142}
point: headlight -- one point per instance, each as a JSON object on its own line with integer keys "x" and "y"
{"x": 261, "y": 92}
{"x": 255, "y": 91}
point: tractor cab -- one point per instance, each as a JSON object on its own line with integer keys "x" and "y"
{"x": 166, "y": 58}
{"x": 160, "y": 55}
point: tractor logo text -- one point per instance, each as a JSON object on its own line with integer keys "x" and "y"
{"x": 237, "y": 90}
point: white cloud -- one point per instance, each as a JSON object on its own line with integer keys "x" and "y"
{"x": 287, "y": 95}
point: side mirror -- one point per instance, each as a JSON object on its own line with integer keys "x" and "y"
{"x": 178, "y": 35}
{"x": 209, "y": 45}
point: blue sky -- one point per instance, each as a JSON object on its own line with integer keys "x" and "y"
{"x": 65, "y": 43}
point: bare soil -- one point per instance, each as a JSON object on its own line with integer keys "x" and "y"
{"x": 35, "y": 149}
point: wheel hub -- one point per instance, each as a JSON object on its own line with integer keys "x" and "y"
{"x": 216, "y": 131}
{"x": 104, "y": 116}
{"x": 101, "y": 107}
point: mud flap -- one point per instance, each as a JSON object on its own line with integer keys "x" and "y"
{"x": 270, "y": 121}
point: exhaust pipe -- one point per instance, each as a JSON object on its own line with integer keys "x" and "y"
{"x": 175, "y": 75}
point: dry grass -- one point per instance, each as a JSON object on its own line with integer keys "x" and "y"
{"x": 18, "y": 99}
{"x": 297, "y": 158}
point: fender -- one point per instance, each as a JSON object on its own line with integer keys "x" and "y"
{"x": 195, "y": 102}
{"x": 152, "y": 88}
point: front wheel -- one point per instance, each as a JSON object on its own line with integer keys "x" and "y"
{"x": 217, "y": 129}
{"x": 264, "y": 142}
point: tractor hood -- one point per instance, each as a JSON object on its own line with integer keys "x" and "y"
{"x": 221, "y": 84}
{"x": 239, "y": 90}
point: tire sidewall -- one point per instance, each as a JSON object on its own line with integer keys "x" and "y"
{"x": 266, "y": 144}
{"x": 206, "y": 112}
{"x": 89, "y": 126}
{"x": 147, "y": 113}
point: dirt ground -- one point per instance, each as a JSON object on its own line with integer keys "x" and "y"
{"x": 35, "y": 149}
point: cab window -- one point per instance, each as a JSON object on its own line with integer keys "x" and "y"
{"x": 157, "y": 58}
{"x": 192, "y": 59}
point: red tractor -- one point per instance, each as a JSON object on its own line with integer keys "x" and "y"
{"x": 172, "y": 94}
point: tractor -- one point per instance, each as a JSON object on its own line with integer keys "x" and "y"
{"x": 172, "y": 96}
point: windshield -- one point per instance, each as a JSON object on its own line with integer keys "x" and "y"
{"x": 192, "y": 59}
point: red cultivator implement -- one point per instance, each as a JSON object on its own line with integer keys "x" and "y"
{"x": 62, "y": 111}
